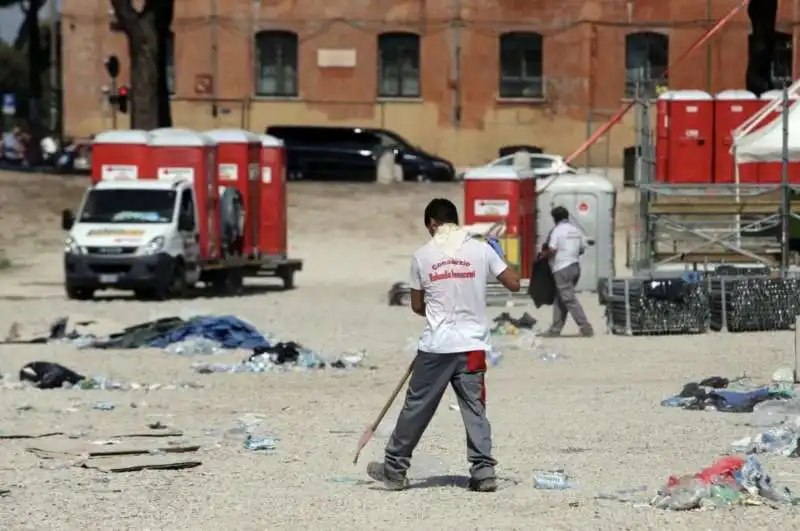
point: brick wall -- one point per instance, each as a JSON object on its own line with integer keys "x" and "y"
{"x": 583, "y": 62}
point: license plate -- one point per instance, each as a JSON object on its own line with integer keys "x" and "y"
{"x": 108, "y": 279}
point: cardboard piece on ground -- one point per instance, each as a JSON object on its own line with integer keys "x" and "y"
{"x": 139, "y": 462}
{"x": 61, "y": 448}
{"x": 149, "y": 434}
{"x": 28, "y": 435}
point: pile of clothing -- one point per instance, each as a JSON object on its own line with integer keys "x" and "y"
{"x": 715, "y": 393}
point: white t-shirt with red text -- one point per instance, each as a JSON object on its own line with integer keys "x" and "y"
{"x": 455, "y": 295}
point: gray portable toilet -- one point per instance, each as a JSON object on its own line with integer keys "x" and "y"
{"x": 591, "y": 202}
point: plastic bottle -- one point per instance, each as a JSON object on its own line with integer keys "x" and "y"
{"x": 551, "y": 480}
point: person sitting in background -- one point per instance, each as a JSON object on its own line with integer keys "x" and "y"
{"x": 14, "y": 147}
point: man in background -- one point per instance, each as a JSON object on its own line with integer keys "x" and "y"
{"x": 563, "y": 248}
{"x": 448, "y": 288}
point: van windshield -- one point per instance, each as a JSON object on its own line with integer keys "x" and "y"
{"x": 128, "y": 206}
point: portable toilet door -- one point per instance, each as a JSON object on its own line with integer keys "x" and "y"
{"x": 590, "y": 200}
{"x": 193, "y": 157}
{"x": 731, "y": 109}
{"x": 121, "y": 155}
{"x": 273, "y": 227}
{"x": 690, "y": 132}
{"x": 498, "y": 195}
{"x": 238, "y": 160}
{"x": 772, "y": 172}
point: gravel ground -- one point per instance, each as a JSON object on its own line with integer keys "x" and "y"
{"x": 593, "y": 412}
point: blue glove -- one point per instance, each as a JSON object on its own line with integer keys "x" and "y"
{"x": 495, "y": 244}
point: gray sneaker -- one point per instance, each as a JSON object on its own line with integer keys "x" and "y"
{"x": 377, "y": 471}
{"x": 483, "y": 485}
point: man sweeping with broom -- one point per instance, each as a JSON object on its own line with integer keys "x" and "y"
{"x": 448, "y": 287}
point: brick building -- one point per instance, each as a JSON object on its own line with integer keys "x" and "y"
{"x": 459, "y": 78}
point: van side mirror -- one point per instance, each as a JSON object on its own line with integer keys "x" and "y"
{"x": 67, "y": 219}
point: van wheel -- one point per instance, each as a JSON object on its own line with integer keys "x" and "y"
{"x": 79, "y": 294}
{"x": 287, "y": 276}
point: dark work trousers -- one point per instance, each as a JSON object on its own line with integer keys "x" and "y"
{"x": 465, "y": 371}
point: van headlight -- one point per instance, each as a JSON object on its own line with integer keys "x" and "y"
{"x": 71, "y": 246}
{"x": 154, "y": 246}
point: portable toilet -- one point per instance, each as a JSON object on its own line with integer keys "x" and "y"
{"x": 273, "y": 229}
{"x": 591, "y": 202}
{"x": 239, "y": 164}
{"x": 501, "y": 194}
{"x": 170, "y": 131}
{"x": 121, "y": 155}
{"x": 193, "y": 157}
{"x": 685, "y": 137}
{"x": 731, "y": 109}
{"x": 772, "y": 172}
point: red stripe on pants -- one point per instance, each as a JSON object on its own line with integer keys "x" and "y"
{"x": 476, "y": 363}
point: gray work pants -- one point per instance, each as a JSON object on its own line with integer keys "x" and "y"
{"x": 566, "y": 301}
{"x": 432, "y": 373}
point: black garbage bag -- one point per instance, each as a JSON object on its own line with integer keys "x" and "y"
{"x": 673, "y": 290}
{"x": 542, "y": 287}
{"x": 526, "y": 321}
{"x": 46, "y": 375}
{"x": 280, "y": 353}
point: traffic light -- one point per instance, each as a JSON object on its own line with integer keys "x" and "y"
{"x": 119, "y": 99}
{"x": 122, "y": 99}
{"x": 112, "y": 66}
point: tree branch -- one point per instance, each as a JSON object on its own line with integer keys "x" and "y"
{"x": 126, "y": 15}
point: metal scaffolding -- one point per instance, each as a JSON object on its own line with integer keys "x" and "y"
{"x": 702, "y": 226}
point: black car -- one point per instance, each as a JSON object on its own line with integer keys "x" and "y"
{"x": 352, "y": 153}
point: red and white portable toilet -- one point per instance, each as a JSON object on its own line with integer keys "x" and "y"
{"x": 121, "y": 155}
{"x": 685, "y": 137}
{"x": 273, "y": 228}
{"x": 772, "y": 172}
{"x": 501, "y": 194}
{"x": 731, "y": 109}
{"x": 239, "y": 163}
{"x": 190, "y": 156}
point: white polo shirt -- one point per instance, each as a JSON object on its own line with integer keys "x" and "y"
{"x": 567, "y": 242}
{"x": 455, "y": 295}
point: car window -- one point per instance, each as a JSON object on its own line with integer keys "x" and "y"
{"x": 187, "y": 206}
{"x": 542, "y": 163}
{"x": 508, "y": 160}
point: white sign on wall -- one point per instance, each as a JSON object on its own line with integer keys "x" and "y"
{"x": 171, "y": 174}
{"x": 266, "y": 174}
{"x": 228, "y": 172}
{"x": 119, "y": 172}
{"x": 331, "y": 58}
{"x": 492, "y": 207}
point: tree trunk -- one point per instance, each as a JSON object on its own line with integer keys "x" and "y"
{"x": 164, "y": 16}
{"x": 143, "y": 50}
{"x": 147, "y": 31}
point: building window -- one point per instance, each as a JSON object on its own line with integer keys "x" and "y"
{"x": 170, "y": 63}
{"x": 398, "y": 65}
{"x": 781, "y": 70}
{"x": 521, "y": 65}
{"x": 646, "y": 62}
{"x": 276, "y": 63}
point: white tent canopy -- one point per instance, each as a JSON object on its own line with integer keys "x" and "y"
{"x": 766, "y": 143}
